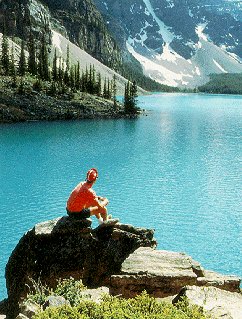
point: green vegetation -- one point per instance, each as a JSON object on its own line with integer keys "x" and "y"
{"x": 140, "y": 307}
{"x": 130, "y": 98}
{"x": 70, "y": 289}
{"x": 229, "y": 83}
{"x": 55, "y": 78}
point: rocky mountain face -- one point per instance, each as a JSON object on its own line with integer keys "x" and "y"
{"x": 232, "y": 7}
{"x": 79, "y": 21}
{"x": 174, "y": 42}
{"x": 178, "y": 42}
{"x": 78, "y": 24}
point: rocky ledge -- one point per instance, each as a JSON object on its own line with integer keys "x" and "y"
{"x": 121, "y": 257}
{"x": 164, "y": 273}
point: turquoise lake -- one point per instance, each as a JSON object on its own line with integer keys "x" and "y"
{"x": 177, "y": 170}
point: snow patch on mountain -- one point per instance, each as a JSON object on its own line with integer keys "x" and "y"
{"x": 170, "y": 3}
{"x": 219, "y": 66}
{"x": 164, "y": 31}
{"x": 169, "y": 72}
{"x": 172, "y": 69}
{"x": 105, "y": 4}
{"x": 168, "y": 54}
{"x": 181, "y": 42}
{"x": 199, "y": 31}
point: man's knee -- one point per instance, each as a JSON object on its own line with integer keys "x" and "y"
{"x": 103, "y": 211}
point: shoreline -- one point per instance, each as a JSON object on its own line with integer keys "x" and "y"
{"x": 16, "y": 108}
{"x": 38, "y": 106}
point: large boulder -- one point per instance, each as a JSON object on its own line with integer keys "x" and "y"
{"x": 120, "y": 257}
{"x": 67, "y": 247}
{"x": 163, "y": 273}
{"x": 217, "y": 302}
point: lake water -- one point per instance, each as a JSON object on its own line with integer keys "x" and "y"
{"x": 177, "y": 170}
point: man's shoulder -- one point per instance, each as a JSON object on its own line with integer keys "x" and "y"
{"x": 85, "y": 188}
{"x": 91, "y": 191}
{"x": 79, "y": 186}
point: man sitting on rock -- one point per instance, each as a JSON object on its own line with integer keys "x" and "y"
{"x": 83, "y": 201}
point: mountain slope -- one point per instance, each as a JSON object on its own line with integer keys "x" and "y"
{"x": 174, "y": 42}
{"x": 78, "y": 20}
{"x": 178, "y": 42}
{"x": 60, "y": 43}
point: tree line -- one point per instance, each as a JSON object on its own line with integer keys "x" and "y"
{"x": 62, "y": 75}
{"x": 228, "y": 83}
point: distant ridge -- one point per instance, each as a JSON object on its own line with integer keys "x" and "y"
{"x": 179, "y": 43}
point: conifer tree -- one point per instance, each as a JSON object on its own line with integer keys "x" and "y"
{"x": 83, "y": 82}
{"x": 109, "y": 94}
{"x": 86, "y": 78}
{"x": 99, "y": 85}
{"x": 134, "y": 94}
{"x": 67, "y": 68}
{"x": 68, "y": 58}
{"x": 22, "y": 60}
{"x": 32, "y": 63}
{"x": 5, "y": 61}
{"x": 91, "y": 80}
{"x": 12, "y": 68}
{"x": 54, "y": 67}
{"x": 114, "y": 92}
{"x": 130, "y": 98}
{"x": 77, "y": 76}
{"x": 43, "y": 60}
{"x": 72, "y": 83}
{"x": 127, "y": 97}
{"x": 60, "y": 70}
{"x": 105, "y": 89}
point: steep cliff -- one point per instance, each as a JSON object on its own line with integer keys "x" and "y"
{"x": 78, "y": 20}
{"x": 178, "y": 42}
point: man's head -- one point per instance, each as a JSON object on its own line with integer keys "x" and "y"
{"x": 92, "y": 175}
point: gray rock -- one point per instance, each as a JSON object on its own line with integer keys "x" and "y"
{"x": 95, "y": 294}
{"x": 164, "y": 273}
{"x": 120, "y": 257}
{"x": 29, "y": 308}
{"x": 64, "y": 224}
{"x": 217, "y": 302}
{"x": 219, "y": 312}
{"x": 55, "y": 301}
{"x": 160, "y": 273}
{"x": 21, "y": 316}
{"x": 64, "y": 248}
{"x": 226, "y": 282}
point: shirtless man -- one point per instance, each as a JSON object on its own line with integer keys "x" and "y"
{"x": 83, "y": 201}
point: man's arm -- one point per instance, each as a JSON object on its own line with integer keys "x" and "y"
{"x": 103, "y": 201}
